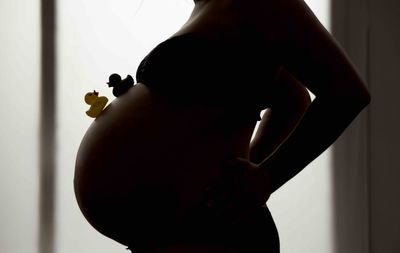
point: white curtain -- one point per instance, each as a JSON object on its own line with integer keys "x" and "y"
{"x": 19, "y": 124}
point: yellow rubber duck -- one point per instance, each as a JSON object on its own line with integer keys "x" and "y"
{"x": 96, "y": 103}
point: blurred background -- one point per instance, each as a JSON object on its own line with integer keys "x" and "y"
{"x": 53, "y": 52}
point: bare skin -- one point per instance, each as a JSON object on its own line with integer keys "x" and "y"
{"x": 141, "y": 137}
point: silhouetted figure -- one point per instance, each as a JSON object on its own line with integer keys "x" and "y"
{"x": 172, "y": 166}
{"x": 120, "y": 86}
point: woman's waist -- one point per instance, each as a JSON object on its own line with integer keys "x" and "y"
{"x": 155, "y": 161}
{"x": 139, "y": 145}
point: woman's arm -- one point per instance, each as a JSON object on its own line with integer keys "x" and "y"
{"x": 290, "y": 101}
{"x": 312, "y": 55}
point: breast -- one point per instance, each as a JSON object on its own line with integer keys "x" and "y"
{"x": 142, "y": 138}
{"x": 193, "y": 67}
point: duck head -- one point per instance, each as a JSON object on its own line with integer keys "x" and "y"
{"x": 114, "y": 80}
{"x": 90, "y": 97}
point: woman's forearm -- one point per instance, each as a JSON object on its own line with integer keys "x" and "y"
{"x": 274, "y": 128}
{"x": 291, "y": 100}
{"x": 322, "y": 124}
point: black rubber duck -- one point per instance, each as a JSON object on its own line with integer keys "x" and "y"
{"x": 120, "y": 86}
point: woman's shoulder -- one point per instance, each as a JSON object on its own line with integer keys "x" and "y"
{"x": 213, "y": 17}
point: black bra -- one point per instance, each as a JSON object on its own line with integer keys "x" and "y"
{"x": 191, "y": 68}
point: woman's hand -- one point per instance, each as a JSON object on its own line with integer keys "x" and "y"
{"x": 244, "y": 188}
{"x": 251, "y": 184}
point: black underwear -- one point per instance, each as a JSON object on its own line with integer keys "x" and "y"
{"x": 191, "y": 68}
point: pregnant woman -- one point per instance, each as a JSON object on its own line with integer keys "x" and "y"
{"x": 171, "y": 165}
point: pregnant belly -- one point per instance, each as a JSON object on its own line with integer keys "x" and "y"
{"x": 142, "y": 146}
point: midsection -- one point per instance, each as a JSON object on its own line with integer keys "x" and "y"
{"x": 144, "y": 139}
